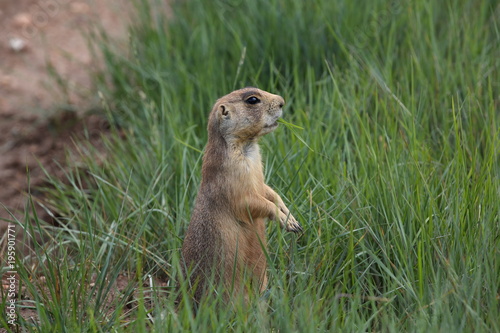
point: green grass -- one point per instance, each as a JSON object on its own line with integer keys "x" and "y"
{"x": 393, "y": 170}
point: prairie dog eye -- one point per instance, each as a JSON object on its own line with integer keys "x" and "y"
{"x": 252, "y": 100}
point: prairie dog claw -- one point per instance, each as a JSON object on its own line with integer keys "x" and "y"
{"x": 290, "y": 223}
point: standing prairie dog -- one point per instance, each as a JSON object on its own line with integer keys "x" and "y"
{"x": 226, "y": 240}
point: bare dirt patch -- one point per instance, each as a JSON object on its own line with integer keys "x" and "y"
{"x": 45, "y": 87}
{"x": 45, "y": 94}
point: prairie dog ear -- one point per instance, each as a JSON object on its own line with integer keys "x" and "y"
{"x": 224, "y": 112}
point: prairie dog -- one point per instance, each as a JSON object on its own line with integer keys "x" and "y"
{"x": 226, "y": 237}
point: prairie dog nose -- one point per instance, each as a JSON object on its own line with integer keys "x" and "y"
{"x": 281, "y": 101}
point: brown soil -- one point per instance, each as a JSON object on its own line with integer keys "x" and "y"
{"x": 39, "y": 117}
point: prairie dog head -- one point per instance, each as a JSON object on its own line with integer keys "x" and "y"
{"x": 246, "y": 114}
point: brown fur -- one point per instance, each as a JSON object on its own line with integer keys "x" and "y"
{"x": 226, "y": 236}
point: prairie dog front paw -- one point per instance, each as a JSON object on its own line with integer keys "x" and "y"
{"x": 289, "y": 223}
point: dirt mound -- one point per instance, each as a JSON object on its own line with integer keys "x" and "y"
{"x": 26, "y": 148}
{"x": 45, "y": 67}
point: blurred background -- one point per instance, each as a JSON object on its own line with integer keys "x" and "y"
{"x": 46, "y": 88}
